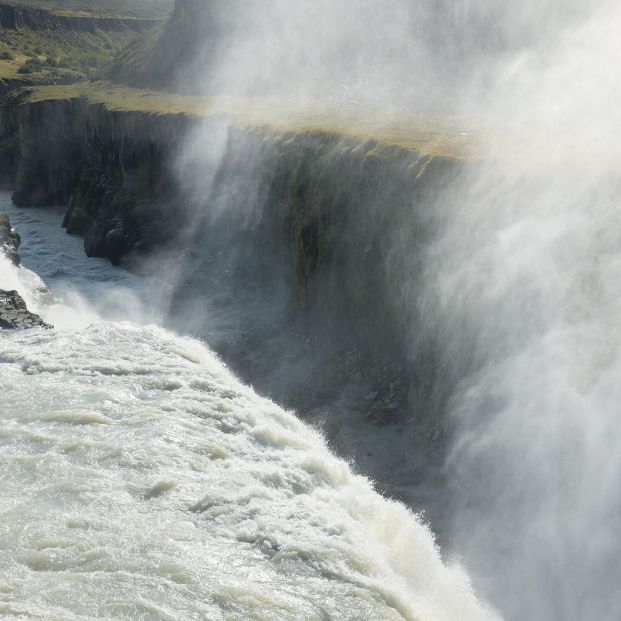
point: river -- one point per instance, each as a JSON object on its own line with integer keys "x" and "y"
{"x": 142, "y": 480}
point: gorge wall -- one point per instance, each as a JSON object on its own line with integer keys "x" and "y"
{"x": 112, "y": 169}
{"x": 292, "y": 255}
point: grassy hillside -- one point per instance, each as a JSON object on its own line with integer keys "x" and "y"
{"x": 76, "y": 44}
{"x": 66, "y": 55}
{"x": 125, "y": 8}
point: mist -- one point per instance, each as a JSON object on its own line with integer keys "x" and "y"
{"x": 425, "y": 54}
{"x": 516, "y": 284}
{"x": 524, "y": 274}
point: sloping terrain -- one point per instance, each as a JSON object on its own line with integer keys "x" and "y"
{"x": 56, "y": 44}
{"x": 166, "y": 59}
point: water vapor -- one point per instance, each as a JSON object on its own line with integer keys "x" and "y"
{"x": 517, "y": 279}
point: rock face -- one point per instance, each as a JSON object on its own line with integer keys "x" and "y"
{"x": 127, "y": 198}
{"x": 15, "y": 17}
{"x": 15, "y": 315}
{"x": 9, "y": 140}
{"x": 299, "y": 233}
{"x": 9, "y": 239}
{"x": 111, "y": 168}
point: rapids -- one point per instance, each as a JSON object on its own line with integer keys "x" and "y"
{"x": 141, "y": 480}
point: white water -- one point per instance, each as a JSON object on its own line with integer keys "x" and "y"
{"x": 140, "y": 480}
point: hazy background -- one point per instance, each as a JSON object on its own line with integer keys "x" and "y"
{"x": 424, "y": 52}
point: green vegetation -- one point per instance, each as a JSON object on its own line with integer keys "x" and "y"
{"x": 59, "y": 55}
{"x": 73, "y": 53}
{"x": 32, "y": 65}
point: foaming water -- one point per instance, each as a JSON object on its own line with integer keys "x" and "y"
{"x": 142, "y": 480}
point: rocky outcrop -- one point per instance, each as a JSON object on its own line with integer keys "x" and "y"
{"x": 15, "y": 315}
{"x": 14, "y": 17}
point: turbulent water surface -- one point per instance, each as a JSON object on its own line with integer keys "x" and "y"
{"x": 141, "y": 480}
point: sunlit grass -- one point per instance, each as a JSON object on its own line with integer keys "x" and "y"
{"x": 426, "y": 133}
{"x": 8, "y": 69}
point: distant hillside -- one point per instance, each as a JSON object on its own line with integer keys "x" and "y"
{"x": 41, "y": 43}
{"x": 125, "y": 8}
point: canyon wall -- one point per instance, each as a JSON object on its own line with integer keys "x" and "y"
{"x": 293, "y": 254}
{"x": 15, "y": 17}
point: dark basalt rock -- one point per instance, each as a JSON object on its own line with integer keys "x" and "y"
{"x": 15, "y": 315}
{"x": 9, "y": 239}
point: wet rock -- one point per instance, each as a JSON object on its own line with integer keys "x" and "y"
{"x": 15, "y": 315}
{"x": 9, "y": 239}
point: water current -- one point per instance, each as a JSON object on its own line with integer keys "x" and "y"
{"x": 139, "y": 479}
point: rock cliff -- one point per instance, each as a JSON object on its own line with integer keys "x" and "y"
{"x": 15, "y": 16}
{"x": 289, "y": 253}
{"x": 111, "y": 168}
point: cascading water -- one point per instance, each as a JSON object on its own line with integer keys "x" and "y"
{"x": 141, "y": 480}
{"x": 522, "y": 284}
{"x": 525, "y": 307}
